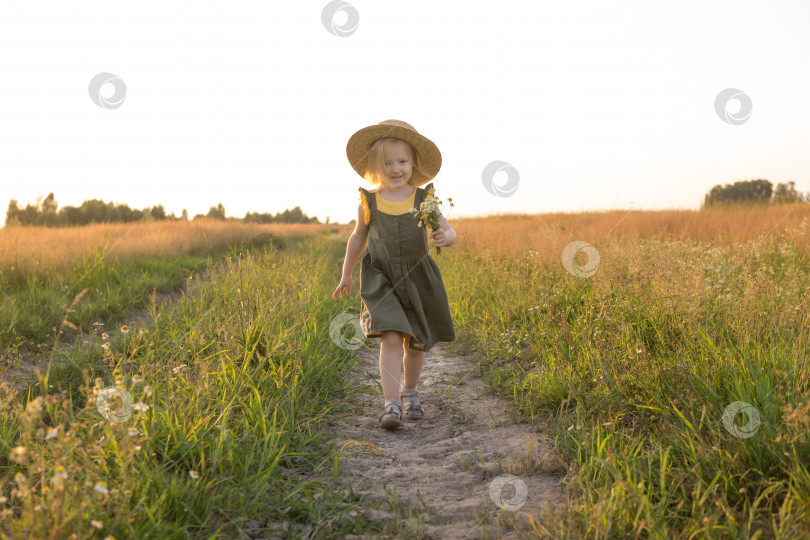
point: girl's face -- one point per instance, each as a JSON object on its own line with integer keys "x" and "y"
{"x": 397, "y": 165}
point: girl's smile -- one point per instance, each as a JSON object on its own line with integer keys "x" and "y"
{"x": 397, "y": 166}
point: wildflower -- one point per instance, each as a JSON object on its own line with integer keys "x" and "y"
{"x": 105, "y": 346}
{"x": 132, "y": 431}
{"x": 142, "y": 407}
{"x": 59, "y": 476}
{"x": 105, "y": 336}
{"x": 52, "y": 433}
{"x": 193, "y": 474}
{"x": 101, "y": 487}
{"x": 97, "y": 524}
{"x": 20, "y": 493}
{"x": 18, "y": 454}
{"x": 125, "y": 329}
{"x": 136, "y": 379}
{"x": 428, "y": 212}
{"x": 147, "y": 390}
{"x": 178, "y": 368}
{"x": 119, "y": 381}
{"x": 22, "y": 484}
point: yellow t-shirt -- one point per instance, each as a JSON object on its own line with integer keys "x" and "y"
{"x": 388, "y": 207}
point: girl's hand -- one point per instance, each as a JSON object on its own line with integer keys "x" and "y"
{"x": 345, "y": 286}
{"x": 440, "y": 237}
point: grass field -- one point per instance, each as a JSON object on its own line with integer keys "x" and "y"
{"x": 637, "y": 363}
{"x": 684, "y": 314}
{"x": 117, "y": 266}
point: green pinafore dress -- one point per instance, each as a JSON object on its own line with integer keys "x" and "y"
{"x": 401, "y": 287}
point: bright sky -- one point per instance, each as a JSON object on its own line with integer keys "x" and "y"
{"x": 595, "y": 104}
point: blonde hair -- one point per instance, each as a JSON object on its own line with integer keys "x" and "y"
{"x": 375, "y": 168}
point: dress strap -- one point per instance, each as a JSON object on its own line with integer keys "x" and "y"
{"x": 421, "y": 194}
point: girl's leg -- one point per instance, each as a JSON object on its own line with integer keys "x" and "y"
{"x": 389, "y": 363}
{"x": 412, "y": 363}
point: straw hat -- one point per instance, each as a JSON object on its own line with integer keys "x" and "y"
{"x": 430, "y": 159}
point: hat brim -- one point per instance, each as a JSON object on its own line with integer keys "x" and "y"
{"x": 430, "y": 158}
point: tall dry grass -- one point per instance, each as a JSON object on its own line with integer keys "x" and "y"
{"x": 511, "y": 235}
{"x": 32, "y": 248}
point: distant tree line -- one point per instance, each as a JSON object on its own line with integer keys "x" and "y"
{"x": 296, "y": 215}
{"x": 754, "y": 192}
{"x": 47, "y": 213}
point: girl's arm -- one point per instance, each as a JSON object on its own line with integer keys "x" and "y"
{"x": 357, "y": 241}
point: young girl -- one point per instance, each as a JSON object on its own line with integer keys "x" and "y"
{"x": 403, "y": 299}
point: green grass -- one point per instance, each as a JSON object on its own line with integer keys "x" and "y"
{"x": 241, "y": 372}
{"x": 635, "y": 366}
{"x": 34, "y": 304}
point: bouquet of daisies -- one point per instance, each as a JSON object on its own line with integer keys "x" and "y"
{"x": 428, "y": 212}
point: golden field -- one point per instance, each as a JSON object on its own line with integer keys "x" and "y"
{"x": 41, "y": 247}
{"x": 512, "y": 235}
{"x": 507, "y": 235}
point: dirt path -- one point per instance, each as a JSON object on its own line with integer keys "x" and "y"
{"x": 442, "y": 466}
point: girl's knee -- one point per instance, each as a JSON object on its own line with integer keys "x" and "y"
{"x": 405, "y": 345}
{"x": 391, "y": 337}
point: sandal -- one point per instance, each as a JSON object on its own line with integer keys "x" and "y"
{"x": 413, "y": 410}
{"x": 391, "y": 418}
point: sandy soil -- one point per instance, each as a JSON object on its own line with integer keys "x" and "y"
{"x": 443, "y": 465}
